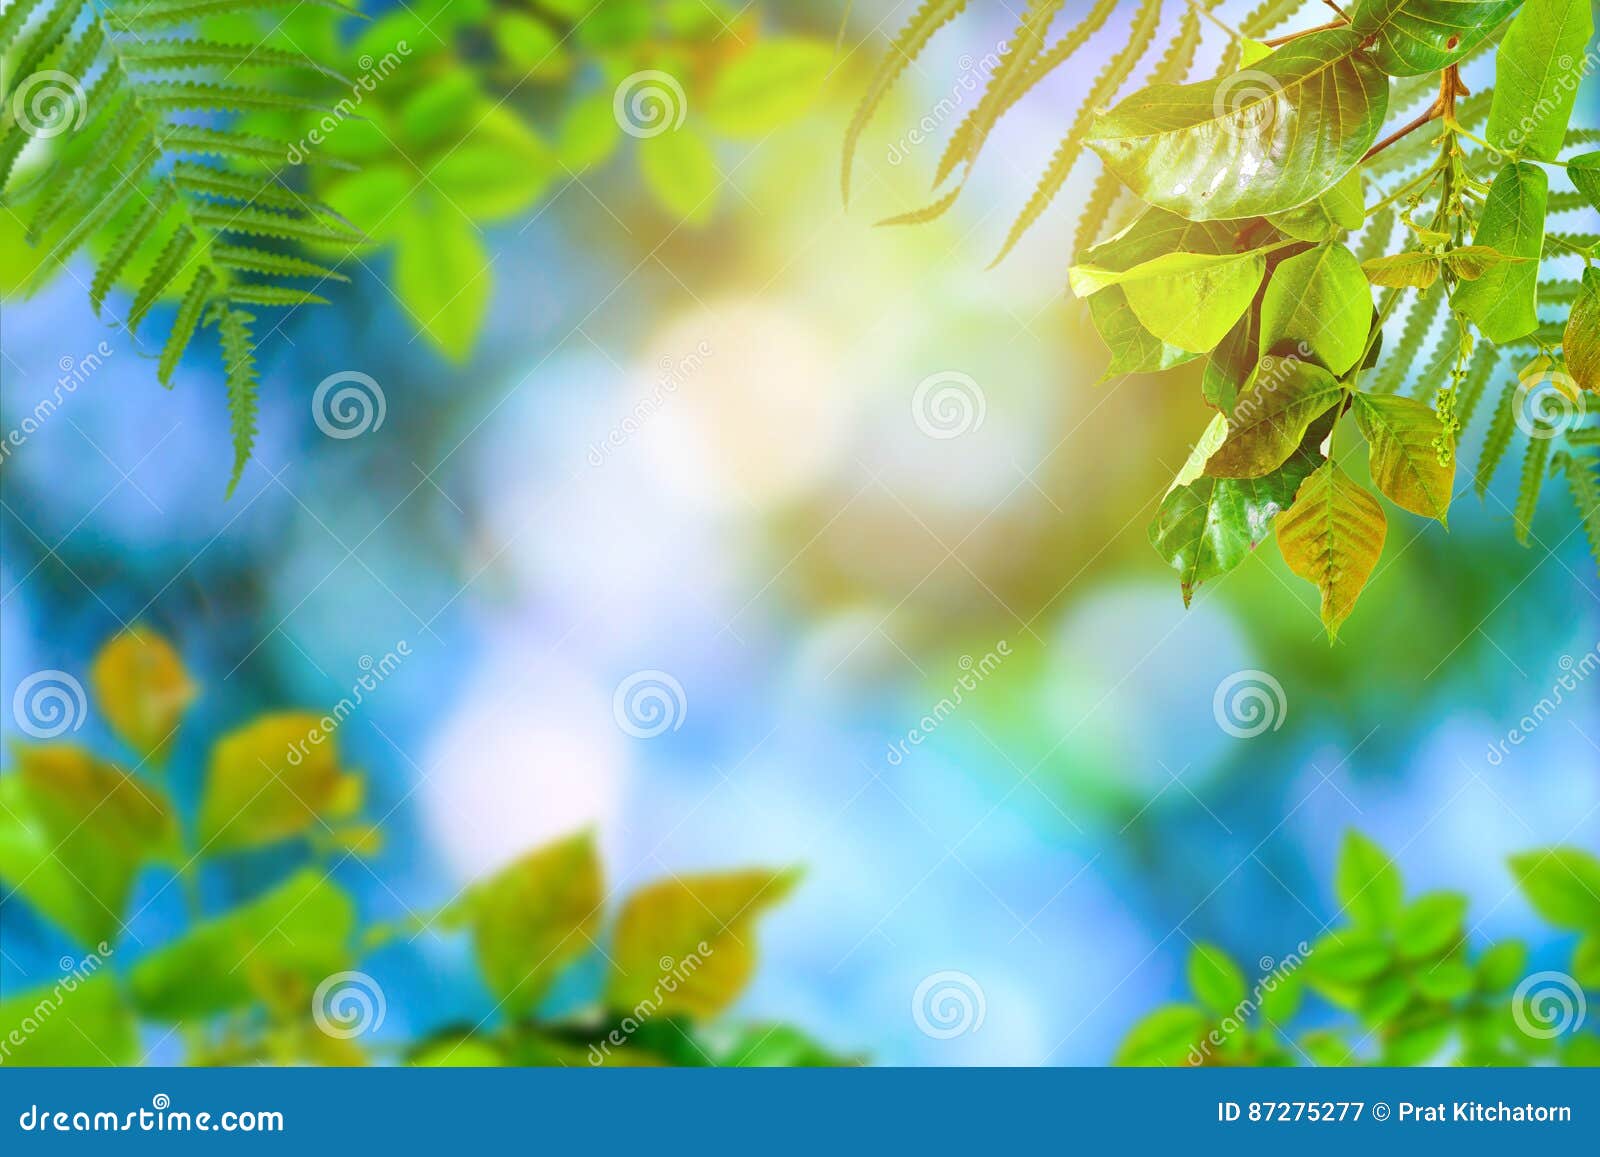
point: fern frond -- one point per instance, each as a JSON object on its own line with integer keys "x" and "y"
{"x": 1097, "y": 210}
{"x": 141, "y": 17}
{"x": 206, "y": 181}
{"x": 1479, "y": 373}
{"x": 161, "y": 274}
{"x": 205, "y": 96}
{"x": 181, "y": 55}
{"x": 1403, "y": 358}
{"x": 903, "y": 49}
{"x": 1111, "y": 79}
{"x": 229, "y": 144}
{"x": 132, "y": 240}
{"x": 1535, "y": 468}
{"x": 15, "y": 18}
{"x": 243, "y": 259}
{"x": 246, "y": 219}
{"x": 1585, "y": 490}
{"x": 88, "y": 177}
{"x": 1268, "y": 15}
{"x": 1497, "y": 440}
{"x": 1375, "y": 239}
{"x": 1584, "y": 436}
{"x": 927, "y": 213}
{"x": 238, "y": 358}
{"x": 41, "y": 43}
{"x": 1582, "y": 136}
{"x": 273, "y": 295}
{"x": 186, "y": 322}
{"x": 126, "y": 186}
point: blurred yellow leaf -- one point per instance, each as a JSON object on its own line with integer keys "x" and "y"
{"x": 75, "y": 833}
{"x": 142, "y": 688}
{"x": 272, "y": 779}
{"x": 683, "y": 946}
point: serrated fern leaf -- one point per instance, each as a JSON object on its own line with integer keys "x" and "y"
{"x": 135, "y": 16}
{"x": 238, "y": 358}
{"x": 1497, "y": 440}
{"x": 246, "y": 219}
{"x": 186, "y": 322}
{"x": 1403, "y": 358}
{"x": 132, "y": 240}
{"x": 162, "y": 274}
{"x": 1535, "y": 468}
{"x": 903, "y": 49}
{"x": 273, "y": 295}
{"x": 1479, "y": 373}
{"x": 248, "y": 260}
{"x": 1585, "y": 490}
{"x": 206, "y": 181}
{"x": 229, "y": 144}
{"x": 1584, "y": 436}
{"x": 182, "y": 55}
{"x": 1142, "y": 35}
{"x": 203, "y": 96}
{"x": 1268, "y": 15}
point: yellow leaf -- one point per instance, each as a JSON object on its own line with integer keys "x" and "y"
{"x": 272, "y": 779}
{"x": 1333, "y": 536}
{"x": 142, "y": 688}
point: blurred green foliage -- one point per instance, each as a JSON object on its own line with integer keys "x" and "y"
{"x": 1400, "y": 982}
{"x": 261, "y": 982}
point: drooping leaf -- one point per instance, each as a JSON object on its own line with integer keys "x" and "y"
{"x": 1263, "y": 141}
{"x": 535, "y": 917}
{"x": 685, "y": 946}
{"x": 1504, "y": 301}
{"x": 1413, "y": 270}
{"x": 1333, "y": 536}
{"x": 1536, "y": 77}
{"x": 1319, "y": 302}
{"x": 1370, "y": 889}
{"x": 680, "y": 170}
{"x": 1563, "y": 885}
{"x": 78, "y": 1020}
{"x": 1403, "y": 435}
{"x": 1419, "y": 36}
{"x": 274, "y": 950}
{"x": 443, "y": 276}
{"x": 1134, "y": 349}
{"x": 74, "y": 835}
{"x": 1581, "y": 343}
{"x": 1270, "y": 419}
{"x": 1190, "y": 300}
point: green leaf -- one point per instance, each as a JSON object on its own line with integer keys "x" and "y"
{"x": 535, "y": 917}
{"x": 680, "y": 170}
{"x": 1536, "y": 77}
{"x": 1368, "y": 883}
{"x": 1403, "y": 436}
{"x": 779, "y": 1046}
{"x": 1350, "y": 956}
{"x": 1584, "y": 172}
{"x": 1333, "y": 536}
{"x": 1414, "y": 270}
{"x": 1166, "y": 1037}
{"x": 1190, "y": 300}
{"x": 1502, "y": 965}
{"x": 773, "y": 83}
{"x": 1563, "y": 885}
{"x": 1580, "y": 345}
{"x": 1216, "y": 979}
{"x": 79, "y": 1020}
{"x": 1271, "y": 417}
{"x": 1319, "y": 301}
{"x": 1263, "y": 141}
{"x": 1208, "y": 526}
{"x": 1134, "y": 349}
{"x": 275, "y": 778}
{"x": 443, "y": 277}
{"x": 588, "y": 134}
{"x": 1504, "y": 301}
{"x": 74, "y": 835}
{"x": 683, "y": 946}
{"x": 1340, "y": 209}
{"x": 1430, "y": 924}
{"x": 1586, "y": 961}
{"x": 1471, "y": 262}
{"x": 274, "y": 950}
{"x": 496, "y": 172}
{"x": 142, "y": 689}
{"x": 1418, "y": 36}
